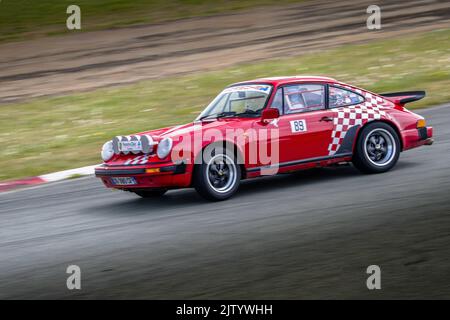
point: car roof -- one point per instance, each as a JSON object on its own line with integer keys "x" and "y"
{"x": 289, "y": 79}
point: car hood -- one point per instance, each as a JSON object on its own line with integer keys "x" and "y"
{"x": 189, "y": 128}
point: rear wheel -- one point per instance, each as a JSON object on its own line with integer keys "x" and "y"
{"x": 377, "y": 149}
{"x": 150, "y": 193}
{"x": 218, "y": 176}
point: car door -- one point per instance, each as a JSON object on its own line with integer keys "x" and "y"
{"x": 306, "y": 124}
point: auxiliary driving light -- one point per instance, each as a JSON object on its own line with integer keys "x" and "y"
{"x": 107, "y": 151}
{"x": 147, "y": 143}
{"x": 115, "y": 144}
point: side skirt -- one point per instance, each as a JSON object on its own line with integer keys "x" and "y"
{"x": 257, "y": 170}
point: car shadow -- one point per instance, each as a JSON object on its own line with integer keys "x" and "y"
{"x": 186, "y": 199}
{"x": 315, "y": 175}
{"x": 287, "y": 180}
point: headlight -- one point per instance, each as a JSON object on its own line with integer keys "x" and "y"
{"x": 164, "y": 148}
{"x": 107, "y": 151}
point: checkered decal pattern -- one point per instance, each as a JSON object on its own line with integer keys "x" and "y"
{"x": 137, "y": 160}
{"x": 347, "y": 117}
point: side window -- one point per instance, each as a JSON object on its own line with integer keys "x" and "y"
{"x": 341, "y": 97}
{"x": 277, "y": 102}
{"x": 304, "y": 97}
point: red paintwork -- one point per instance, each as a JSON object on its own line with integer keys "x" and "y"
{"x": 315, "y": 142}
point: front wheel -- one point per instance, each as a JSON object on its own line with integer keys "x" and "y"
{"x": 218, "y": 176}
{"x": 377, "y": 149}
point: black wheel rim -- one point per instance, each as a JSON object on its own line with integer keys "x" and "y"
{"x": 380, "y": 147}
{"x": 221, "y": 172}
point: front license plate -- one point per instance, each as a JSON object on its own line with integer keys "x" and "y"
{"x": 123, "y": 181}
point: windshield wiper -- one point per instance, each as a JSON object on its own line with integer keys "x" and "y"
{"x": 218, "y": 115}
{"x": 225, "y": 114}
{"x": 248, "y": 112}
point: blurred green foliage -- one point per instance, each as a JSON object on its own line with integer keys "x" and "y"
{"x": 33, "y": 18}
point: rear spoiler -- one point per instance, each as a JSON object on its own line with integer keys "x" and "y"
{"x": 404, "y": 97}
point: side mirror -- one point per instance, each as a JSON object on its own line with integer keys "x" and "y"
{"x": 269, "y": 114}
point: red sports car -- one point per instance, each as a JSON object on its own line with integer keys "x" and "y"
{"x": 263, "y": 127}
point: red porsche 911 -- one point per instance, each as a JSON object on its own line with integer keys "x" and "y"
{"x": 265, "y": 127}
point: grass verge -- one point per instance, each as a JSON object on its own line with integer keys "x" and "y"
{"x": 21, "y": 19}
{"x": 51, "y": 134}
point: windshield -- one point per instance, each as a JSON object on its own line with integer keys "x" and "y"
{"x": 242, "y": 100}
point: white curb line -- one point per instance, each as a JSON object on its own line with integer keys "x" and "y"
{"x": 61, "y": 175}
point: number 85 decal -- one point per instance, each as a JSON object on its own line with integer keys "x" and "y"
{"x": 298, "y": 126}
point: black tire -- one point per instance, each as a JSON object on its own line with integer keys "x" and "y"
{"x": 209, "y": 172}
{"x": 150, "y": 193}
{"x": 377, "y": 148}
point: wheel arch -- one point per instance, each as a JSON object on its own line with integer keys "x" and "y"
{"x": 385, "y": 121}
{"x": 227, "y": 145}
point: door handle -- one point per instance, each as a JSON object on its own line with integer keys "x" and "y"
{"x": 327, "y": 119}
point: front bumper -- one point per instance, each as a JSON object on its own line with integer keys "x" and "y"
{"x": 165, "y": 176}
{"x": 417, "y": 137}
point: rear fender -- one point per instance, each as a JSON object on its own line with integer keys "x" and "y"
{"x": 388, "y": 122}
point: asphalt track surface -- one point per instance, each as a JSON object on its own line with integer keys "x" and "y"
{"x": 88, "y": 60}
{"x": 305, "y": 235}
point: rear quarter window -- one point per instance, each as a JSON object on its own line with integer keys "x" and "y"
{"x": 339, "y": 97}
